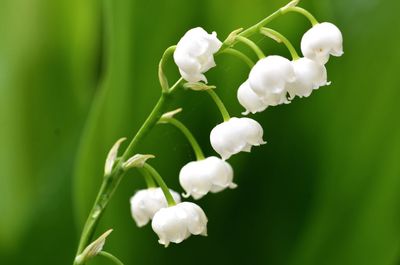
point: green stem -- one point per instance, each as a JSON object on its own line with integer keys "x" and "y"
{"x": 280, "y": 38}
{"x": 192, "y": 140}
{"x": 111, "y": 182}
{"x": 220, "y": 104}
{"x": 239, "y": 55}
{"x": 252, "y": 45}
{"x": 110, "y": 257}
{"x": 302, "y": 11}
{"x": 161, "y": 75}
{"x": 147, "y": 177}
{"x": 290, "y": 7}
{"x": 176, "y": 85}
{"x": 161, "y": 183}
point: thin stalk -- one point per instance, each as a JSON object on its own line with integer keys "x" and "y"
{"x": 280, "y": 38}
{"x": 290, "y": 7}
{"x": 252, "y": 46}
{"x": 111, "y": 182}
{"x": 110, "y": 257}
{"x": 220, "y": 104}
{"x": 161, "y": 75}
{"x": 189, "y": 136}
{"x": 302, "y": 11}
{"x": 147, "y": 177}
{"x": 239, "y": 55}
{"x": 161, "y": 183}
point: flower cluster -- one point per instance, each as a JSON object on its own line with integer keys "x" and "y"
{"x": 273, "y": 80}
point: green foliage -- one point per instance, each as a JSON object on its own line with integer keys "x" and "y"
{"x": 75, "y": 76}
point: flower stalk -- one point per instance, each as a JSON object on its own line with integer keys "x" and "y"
{"x": 189, "y": 136}
{"x": 275, "y": 35}
{"x": 153, "y": 172}
{"x": 252, "y": 46}
{"x": 220, "y": 104}
{"x": 111, "y": 181}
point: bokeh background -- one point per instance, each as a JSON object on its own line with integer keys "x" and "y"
{"x": 77, "y": 75}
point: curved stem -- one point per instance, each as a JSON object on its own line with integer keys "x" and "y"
{"x": 164, "y": 59}
{"x": 111, "y": 182}
{"x": 151, "y": 120}
{"x": 239, "y": 55}
{"x": 189, "y": 136}
{"x": 302, "y": 11}
{"x": 111, "y": 257}
{"x": 176, "y": 85}
{"x": 220, "y": 104}
{"x": 147, "y": 177}
{"x": 252, "y": 45}
{"x": 161, "y": 183}
{"x": 280, "y": 38}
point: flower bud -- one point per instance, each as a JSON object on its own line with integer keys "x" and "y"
{"x": 250, "y": 100}
{"x": 212, "y": 174}
{"x": 93, "y": 249}
{"x": 309, "y": 75}
{"x": 176, "y": 223}
{"x": 269, "y": 79}
{"x": 322, "y": 40}
{"x": 145, "y": 203}
{"x": 236, "y": 135}
{"x": 194, "y": 54}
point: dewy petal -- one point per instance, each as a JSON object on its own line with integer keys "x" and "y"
{"x": 235, "y": 135}
{"x": 194, "y": 54}
{"x": 322, "y": 40}
{"x": 196, "y": 219}
{"x": 212, "y": 174}
{"x": 145, "y": 203}
{"x": 176, "y": 223}
{"x": 250, "y": 100}
{"x": 193, "y": 78}
{"x": 271, "y": 75}
{"x": 253, "y": 131}
{"x": 310, "y": 75}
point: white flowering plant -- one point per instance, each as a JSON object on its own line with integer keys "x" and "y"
{"x": 272, "y": 80}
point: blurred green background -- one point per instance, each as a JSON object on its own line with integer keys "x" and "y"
{"x": 77, "y": 75}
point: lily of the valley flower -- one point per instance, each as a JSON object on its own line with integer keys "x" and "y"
{"x": 270, "y": 77}
{"x": 145, "y": 203}
{"x": 194, "y": 54}
{"x": 212, "y": 174}
{"x": 322, "y": 40}
{"x": 310, "y": 75}
{"x": 236, "y": 135}
{"x": 176, "y": 223}
{"x": 250, "y": 100}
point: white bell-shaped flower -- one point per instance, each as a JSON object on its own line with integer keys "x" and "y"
{"x": 269, "y": 79}
{"x": 145, "y": 203}
{"x": 212, "y": 174}
{"x": 194, "y": 54}
{"x": 176, "y": 223}
{"x": 322, "y": 40}
{"x": 310, "y": 75}
{"x": 250, "y": 100}
{"x": 236, "y": 135}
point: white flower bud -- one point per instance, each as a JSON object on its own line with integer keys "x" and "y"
{"x": 176, "y": 223}
{"x": 194, "y": 54}
{"x": 250, "y": 100}
{"x": 322, "y": 40}
{"x": 309, "y": 75}
{"x": 236, "y": 135}
{"x": 269, "y": 79}
{"x": 212, "y": 174}
{"x": 145, "y": 203}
